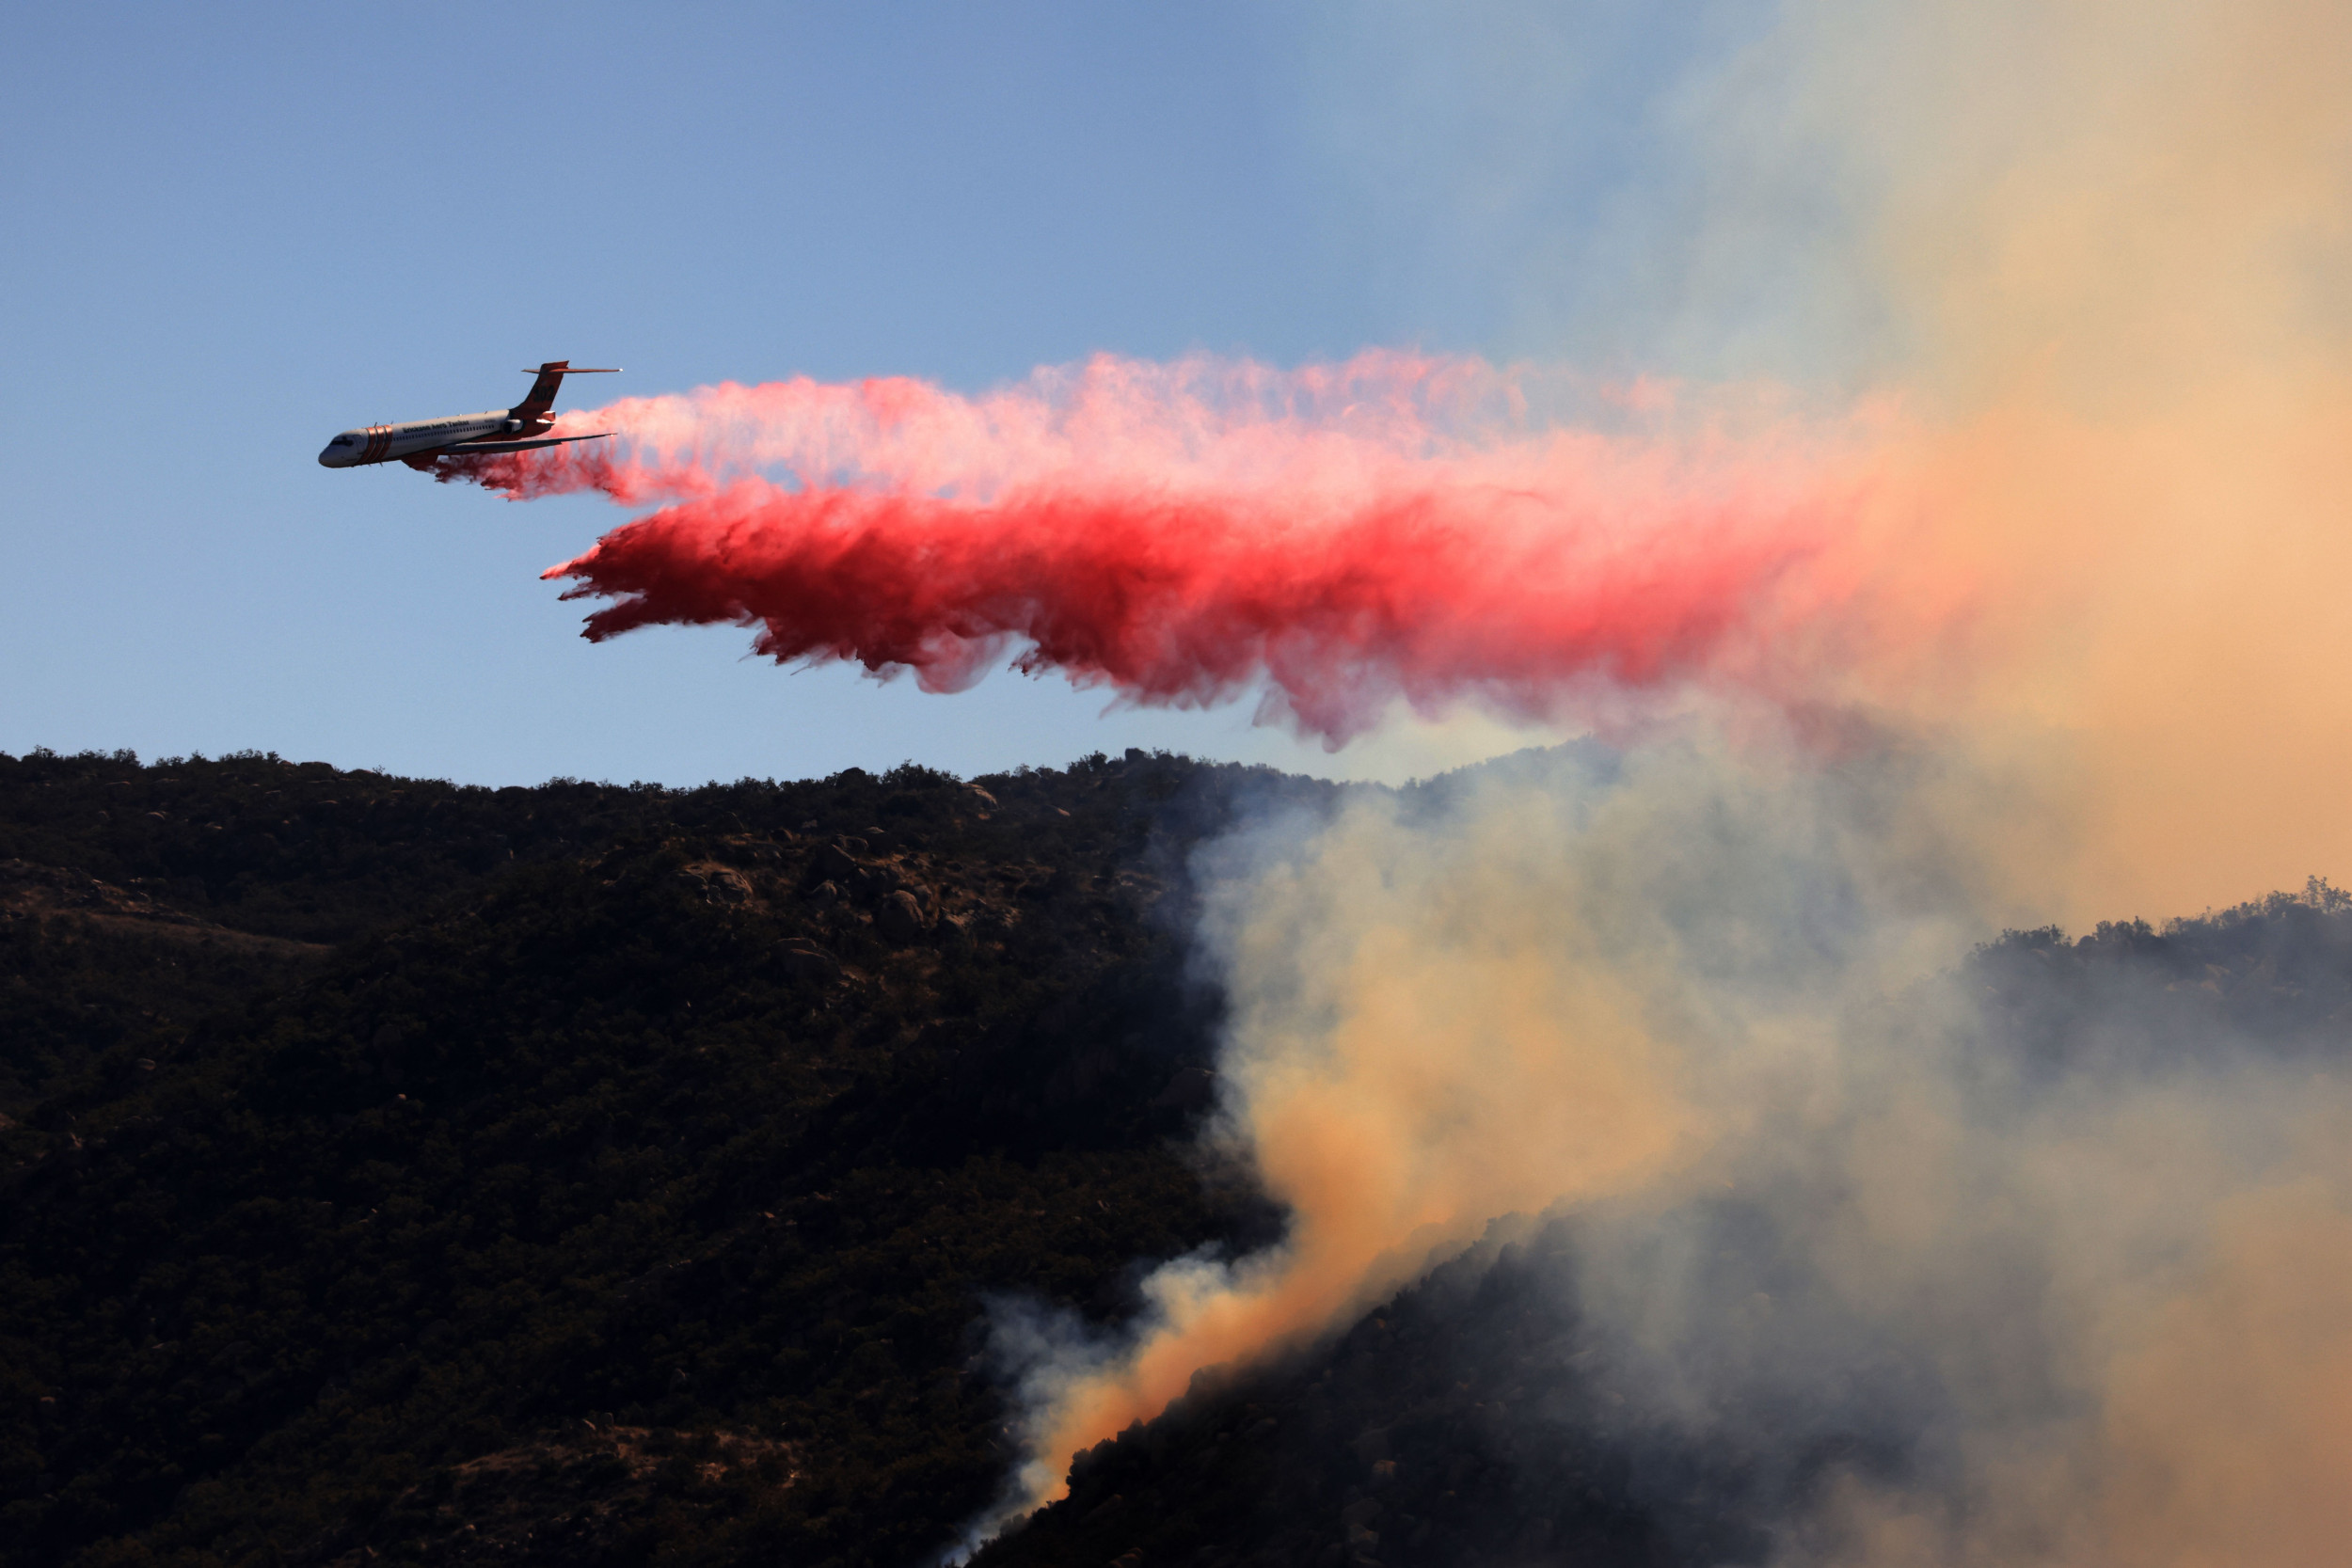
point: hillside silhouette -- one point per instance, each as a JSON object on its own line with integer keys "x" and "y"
{"x": 562, "y": 1174}
{"x": 399, "y": 1172}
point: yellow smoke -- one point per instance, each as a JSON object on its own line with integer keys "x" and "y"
{"x": 2229, "y": 1421}
{"x": 1428, "y": 1035}
{"x": 2117, "y": 237}
{"x": 1491, "y": 1008}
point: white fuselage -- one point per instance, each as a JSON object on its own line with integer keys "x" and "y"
{"x": 388, "y": 443}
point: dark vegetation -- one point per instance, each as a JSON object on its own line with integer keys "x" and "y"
{"x": 393, "y": 1172}
{"x": 396, "y": 1171}
{"x": 2275, "y": 974}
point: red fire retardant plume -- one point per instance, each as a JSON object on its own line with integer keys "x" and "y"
{"x": 1350, "y": 534}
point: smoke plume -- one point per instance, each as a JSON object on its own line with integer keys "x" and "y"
{"x": 2051, "y": 1247}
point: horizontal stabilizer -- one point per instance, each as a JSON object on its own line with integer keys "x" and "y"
{"x": 476, "y": 449}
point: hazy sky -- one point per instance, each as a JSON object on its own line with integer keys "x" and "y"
{"x": 234, "y": 230}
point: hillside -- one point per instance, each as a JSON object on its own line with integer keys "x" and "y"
{"x": 446, "y": 1174}
{"x": 395, "y": 1172}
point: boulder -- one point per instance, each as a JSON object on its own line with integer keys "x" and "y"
{"x": 804, "y": 960}
{"x": 900, "y": 917}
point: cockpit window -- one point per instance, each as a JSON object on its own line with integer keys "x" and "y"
{"x": 340, "y": 441}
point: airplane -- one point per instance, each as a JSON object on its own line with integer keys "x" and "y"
{"x": 417, "y": 442}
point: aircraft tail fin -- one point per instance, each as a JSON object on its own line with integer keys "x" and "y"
{"x": 541, "y": 397}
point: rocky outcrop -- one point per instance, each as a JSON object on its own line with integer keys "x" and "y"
{"x": 47, "y": 892}
{"x": 718, "y": 884}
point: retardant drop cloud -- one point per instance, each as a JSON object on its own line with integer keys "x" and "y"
{"x": 1347, "y": 535}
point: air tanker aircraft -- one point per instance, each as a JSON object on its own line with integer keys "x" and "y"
{"x": 420, "y": 441}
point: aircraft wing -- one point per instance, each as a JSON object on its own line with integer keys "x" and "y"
{"x": 471, "y": 448}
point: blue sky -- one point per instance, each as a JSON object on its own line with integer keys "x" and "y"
{"x": 234, "y": 230}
